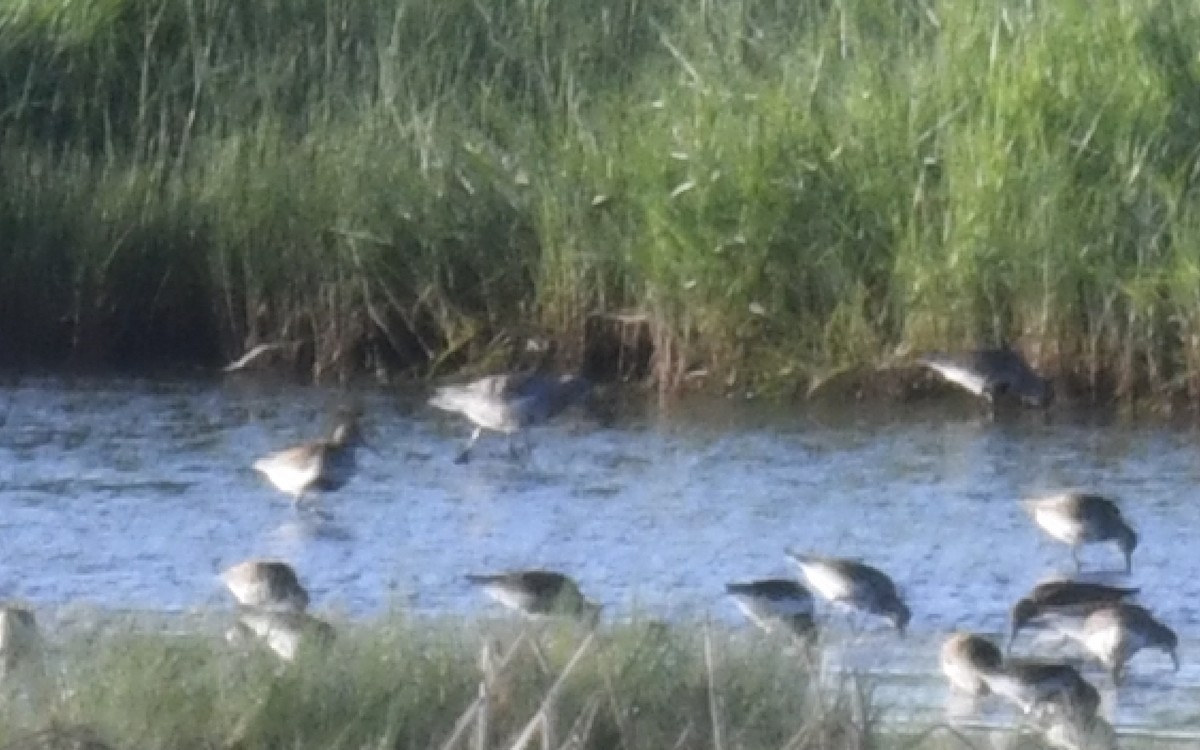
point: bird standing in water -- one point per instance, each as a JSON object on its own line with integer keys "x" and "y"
{"x": 316, "y": 466}
{"x": 1065, "y": 598}
{"x": 510, "y": 403}
{"x": 1078, "y": 518}
{"x": 991, "y": 373}
{"x": 1113, "y": 634}
{"x": 1038, "y": 686}
{"x": 776, "y": 605}
{"x": 856, "y": 585}
{"x": 968, "y": 660}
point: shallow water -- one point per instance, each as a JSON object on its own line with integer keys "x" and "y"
{"x": 131, "y": 494}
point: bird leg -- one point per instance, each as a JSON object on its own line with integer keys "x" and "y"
{"x": 1118, "y": 672}
{"x": 989, "y": 404}
{"x": 1075, "y": 557}
{"x": 465, "y": 455}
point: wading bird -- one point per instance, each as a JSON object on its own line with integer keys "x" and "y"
{"x": 856, "y": 585}
{"x": 967, "y": 661}
{"x": 1037, "y": 687}
{"x": 776, "y": 605}
{"x": 265, "y": 584}
{"x": 1078, "y": 518}
{"x": 1065, "y": 598}
{"x": 990, "y": 373}
{"x": 537, "y": 593}
{"x": 316, "y": 466}
{"x": 510, "y": 403}
{"x": 1113, "y": 634}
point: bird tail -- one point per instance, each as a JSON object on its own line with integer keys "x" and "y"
{"x": 800, "y": 557}
{"x": 1032, "y": 504}
{"x": 933, "y": 359}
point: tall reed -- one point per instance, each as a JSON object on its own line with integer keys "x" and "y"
{"x": 766, "y": 191}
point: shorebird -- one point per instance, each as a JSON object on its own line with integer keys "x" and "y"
{"x": 854, "y": 584}
{"x": 509, "y": 403}
{"x": 283, "y": 632}
{"x": 1078, "y": 518}
{"x": 776, "y": 605}
{"x": 537, "y": 593}
{"x": 316, "y": 466}
{"x": 967, "y": 660}
{"x": 1113, "y": 634}
{"x": 20, "y": 640}
{"x": 1039, "y": 686}
{"x": 989, "y": 373}
{"x": 268, "y": 584}
{"x": 1070, "y": 598}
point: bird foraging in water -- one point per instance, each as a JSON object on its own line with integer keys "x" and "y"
{"x": 316, "y": 466}
{"x": 989, "y": 373}
{"x": 1038, "y": 686}
{"x": 266, "y": 584}
{"x": 968, "y": 660}
{"x": 854, "y": 584}
{"x": 1078, "y": 518}
{"x": 776, "y": 605}
{"x": 1113, "y": 634}
{"x": 1069, "y": 598}
{"x": 510, "y": 403}
{"x": 537, "y": 593}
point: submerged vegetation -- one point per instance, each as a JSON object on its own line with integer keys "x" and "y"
{"x": 763, "y": 190}
{"x": 446, "y": 684}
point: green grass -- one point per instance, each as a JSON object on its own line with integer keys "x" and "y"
{"x": 397, "y": 683}
{"x": 773, "y": 190}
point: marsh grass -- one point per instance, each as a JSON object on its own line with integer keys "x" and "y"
{"x": 762, "y": 190}
{"x": 399, "y": 683}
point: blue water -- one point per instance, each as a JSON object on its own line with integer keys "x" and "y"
{"x": 132, "y": 494}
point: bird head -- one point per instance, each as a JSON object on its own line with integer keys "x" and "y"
{"x": 899, "y": 614}
{"x": 1168, "y": 641}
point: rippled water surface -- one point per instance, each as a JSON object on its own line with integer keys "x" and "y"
{"x": 131, "y": 494}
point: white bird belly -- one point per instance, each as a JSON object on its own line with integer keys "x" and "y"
{"x": 827, "y": 581}
{"x": 962, "y": 675}
{"x": 288, "y": 476}
{"x": 1058, "y": 526}
{"x": 512, "y": 598}
{"x": 963, "y": 377}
